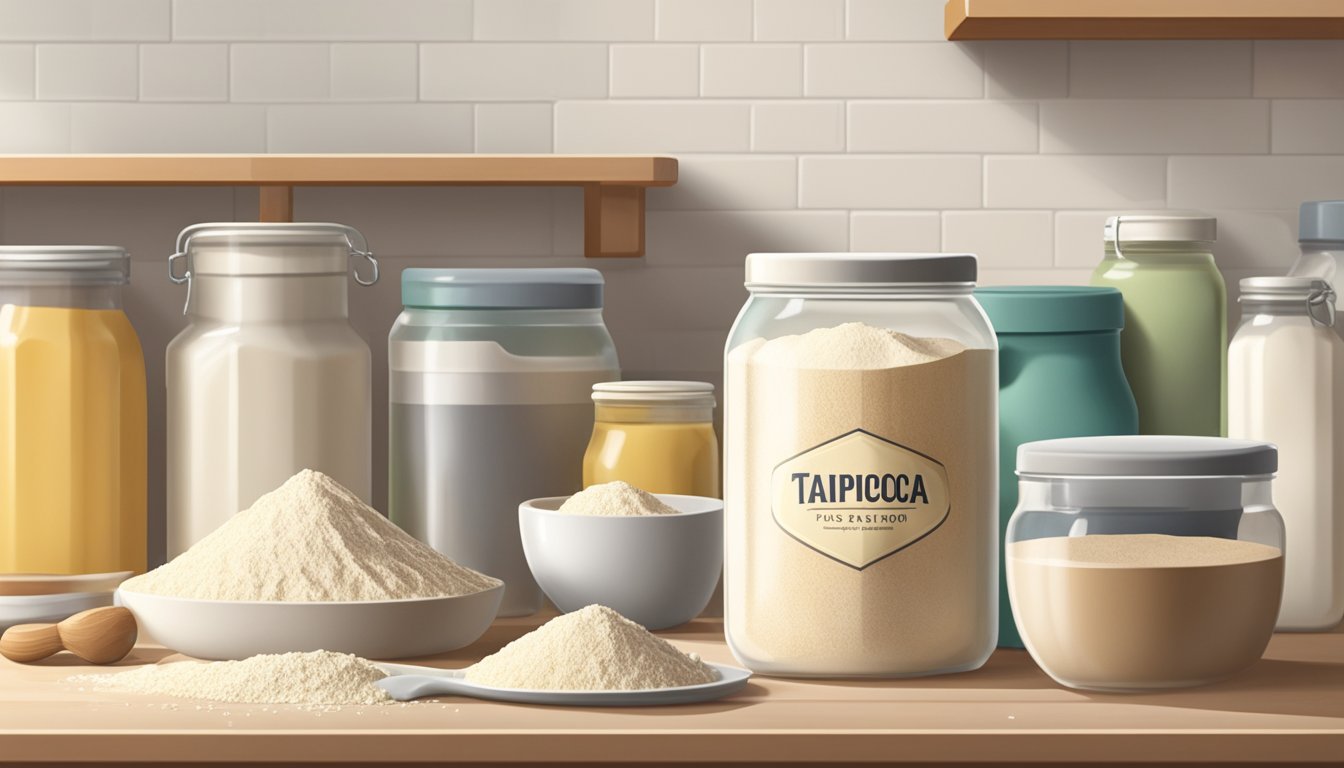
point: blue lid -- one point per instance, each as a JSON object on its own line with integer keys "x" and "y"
{"x": 1052, "y": 308}
{"x": 1321, "y": 221}
{"x": 501, "y": 288}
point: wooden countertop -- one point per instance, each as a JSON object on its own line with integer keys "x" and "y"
{"x": 1287, "y": 709}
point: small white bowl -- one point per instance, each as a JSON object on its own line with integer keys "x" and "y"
{"x": 386, "y": 629}
{"x": 657, "y": 570}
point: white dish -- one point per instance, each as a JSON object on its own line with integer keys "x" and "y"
{"x": 407, "y": 682}
{"x": 656, "y": 570}
{"x": 28, "y": 584}
{"x": 48, "y": 609}
{"x": 392, "y": 629}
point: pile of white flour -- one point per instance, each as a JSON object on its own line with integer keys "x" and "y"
{"x": 615, "y": 499}
{"x": 849, "y": 346}
{"x": 319, "y": 678}
{"x": 593, "y": 649}
{"x": 310, "y": 540}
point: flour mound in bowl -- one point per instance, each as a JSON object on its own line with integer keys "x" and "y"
{"x": 317, "y": 678}
{"x": 591, "y": 649}
{"x": 615, "y": 499}
{"x": 310, "y": 540}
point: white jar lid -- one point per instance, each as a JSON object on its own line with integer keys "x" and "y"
{"x": 249, "y": 248}
{"x": 82, "y": 265}
{"x": 1162, "y": 227}
{"x": 1147, "y": 456}
{"x": 687, "y": 393}
{"x": 858, "y": 270}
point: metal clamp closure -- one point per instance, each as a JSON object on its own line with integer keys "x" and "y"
{"x": 354, "y": 242}
{"x": 1321, "y": 304}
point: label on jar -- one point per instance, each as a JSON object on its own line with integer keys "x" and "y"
{"x": 859, "y": 498}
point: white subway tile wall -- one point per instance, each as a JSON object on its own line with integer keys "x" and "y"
{"x": 800, "y": 124}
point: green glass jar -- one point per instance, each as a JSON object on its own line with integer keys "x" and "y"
{"x": 1174, "y": 346}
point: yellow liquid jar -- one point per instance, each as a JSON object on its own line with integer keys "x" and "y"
{"x": 72, "y": 414}
{"x": 654, "y": 435}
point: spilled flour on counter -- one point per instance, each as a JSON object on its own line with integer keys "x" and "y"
{"x": 319, "y": 678}
{"x": 310, "y": 540}
{"x": 615, "y": 499}
{"x": 592, "y": 649}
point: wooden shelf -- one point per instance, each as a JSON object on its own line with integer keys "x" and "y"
{"x": 613, "y": 185}
{"x": 1286, "y": 710}
{"x": 1142, "y": 19}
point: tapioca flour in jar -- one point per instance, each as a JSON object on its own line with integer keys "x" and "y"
{"x": 860, "y": 487}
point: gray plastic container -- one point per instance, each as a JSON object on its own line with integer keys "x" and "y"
{"x": 491, "y": 372}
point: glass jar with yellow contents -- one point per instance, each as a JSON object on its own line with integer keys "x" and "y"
{"x": 655, "y": 435}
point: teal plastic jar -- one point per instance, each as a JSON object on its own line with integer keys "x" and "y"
{"x": 1059, "y": 376}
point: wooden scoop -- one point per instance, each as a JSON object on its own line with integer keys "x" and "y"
{"x": 98, "y": 636}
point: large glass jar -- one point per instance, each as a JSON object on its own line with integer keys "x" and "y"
{"x": 1059, "y": 376}
{"x": 1141, "y": 562}
{"x": 1286, "y": 387}
{"x": 268, "y": 378}
{"x": 490, "y": 376}
{"x": 72, "y": 414}
{"x": 1174, "y": 345}
{"x": 860, "y": 481}
{"x": 655, "y": 435}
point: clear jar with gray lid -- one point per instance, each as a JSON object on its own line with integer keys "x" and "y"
{"x": 490, "y": 374}
{"x": 860, "y": 474}
{"x": 1143, "y": 562}
{"x": 1174, "y": 344}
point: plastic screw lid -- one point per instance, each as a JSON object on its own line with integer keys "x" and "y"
{"x": 1162, "y": 227}
{"x": 694, "y": 393}
{"x": 64, "y": 265}
{"x": 1147, "y": 456}
{"x": 857, "y": 270}
{"x": 1052, "y": 308}
{"x": 1321, "y": 221}
{"x": 502, "y": 288}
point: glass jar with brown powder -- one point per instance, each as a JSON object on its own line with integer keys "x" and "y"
{"x": 1144, "y": 562}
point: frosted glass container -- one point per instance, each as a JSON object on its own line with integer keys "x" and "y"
{"x": 269, "y": 377}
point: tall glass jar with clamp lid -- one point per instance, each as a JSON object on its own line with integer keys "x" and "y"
{"x": 268, "y": 378}
{"x": 1286, "y": 386}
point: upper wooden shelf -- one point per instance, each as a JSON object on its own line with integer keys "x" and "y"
{"x": 613, "y": 185}
{"x": 1142, "y": 19}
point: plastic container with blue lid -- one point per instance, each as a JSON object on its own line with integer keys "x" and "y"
{"x": 1059, "y": 376}
{"x": 490, "y": 378}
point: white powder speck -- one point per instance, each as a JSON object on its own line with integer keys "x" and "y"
{"x": 615, "y": 499}
{"x": 317, "y": 678}
{"x": 592, "y": 649}
{"x": 310, "y": 540}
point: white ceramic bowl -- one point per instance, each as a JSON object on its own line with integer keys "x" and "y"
{"x": 658, "y": 570}
{"x": 391, "y": 629}
{"x": 48, "y": 609}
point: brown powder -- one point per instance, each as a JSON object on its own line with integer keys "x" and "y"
{"x": 926, "y": 604}
{"x": 1136, "y": 611}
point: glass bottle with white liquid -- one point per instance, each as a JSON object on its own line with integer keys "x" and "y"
{"x": 1286, "y": 386}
